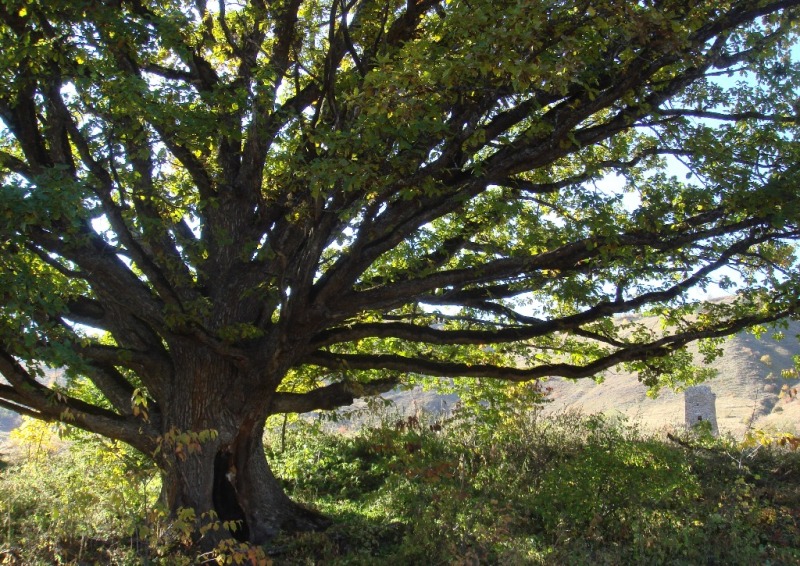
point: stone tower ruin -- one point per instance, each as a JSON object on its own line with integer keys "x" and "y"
{"x": 701, "y": 405}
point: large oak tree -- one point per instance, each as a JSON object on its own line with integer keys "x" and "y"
{"x": 218, "y": 211}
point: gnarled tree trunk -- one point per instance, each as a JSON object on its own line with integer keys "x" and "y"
{"x": 232, "y": 482}
{"x": 212, "y": 455}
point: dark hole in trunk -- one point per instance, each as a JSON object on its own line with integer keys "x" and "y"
{"x": 225, "y": 499}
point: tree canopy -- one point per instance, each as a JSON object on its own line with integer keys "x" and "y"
{"x": 216, "y": 211}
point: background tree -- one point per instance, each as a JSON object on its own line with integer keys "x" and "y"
{"x": 217, "y": 211}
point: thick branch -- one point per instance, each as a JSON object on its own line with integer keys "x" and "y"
{"x": 529, "y": 327}
{"x": 632, "y": 352}
{"x": 43, "y": 402}
{"x": 572, "y": 257}
{"x": 731, "y": 116}
{"x": 329, "y": 397}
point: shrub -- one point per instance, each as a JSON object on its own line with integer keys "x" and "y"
{"x": 486, "y": 487}
{"x": 70, "y": 500}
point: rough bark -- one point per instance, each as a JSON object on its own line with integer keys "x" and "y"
{"x": 212, "y": 454}
{"x": 233, "y": 484}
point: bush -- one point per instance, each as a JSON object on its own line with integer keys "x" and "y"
{"x": 525, "y": 489}
{"x": 75, "y": 501}
{"x": 485, "y": 487}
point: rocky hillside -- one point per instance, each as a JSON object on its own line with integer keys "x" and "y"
{"x": 8, "y": 420}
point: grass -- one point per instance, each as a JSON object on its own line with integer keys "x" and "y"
{"x": 485, "y": 488}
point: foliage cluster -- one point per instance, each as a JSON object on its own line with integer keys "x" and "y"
{"x": 533, "y": 490}
{"x": 76, "y": 501}
{"x": 480, "y": 487}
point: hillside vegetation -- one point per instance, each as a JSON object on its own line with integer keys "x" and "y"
{"x": 756, "y": 386}
{"x": 483, "y": 487}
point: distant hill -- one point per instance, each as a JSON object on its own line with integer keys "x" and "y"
{"x": 10, "y": 420}
{"x": 749, "y": 389}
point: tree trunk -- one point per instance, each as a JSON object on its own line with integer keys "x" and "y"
{"x": 213, "y": 461}
{"x": 232, "y": 483}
